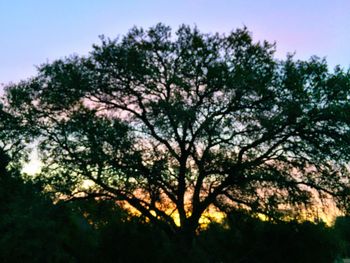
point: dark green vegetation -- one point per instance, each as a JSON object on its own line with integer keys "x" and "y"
{"x": 35, "y": 230}
{"x": 175, "y": 125}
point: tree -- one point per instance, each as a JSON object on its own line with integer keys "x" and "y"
{"x": 13, "y": 138}
{"x": 32, "y": 228}
{"x": 177, "y": 124}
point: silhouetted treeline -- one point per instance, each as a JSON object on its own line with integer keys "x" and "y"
{"x": 33, "y": 229}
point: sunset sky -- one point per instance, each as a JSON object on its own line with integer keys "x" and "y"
{"x": 36, "y": 31}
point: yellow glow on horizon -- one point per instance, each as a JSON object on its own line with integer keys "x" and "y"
{"x": 86, "y": 184}
{"x": 210, "y": 215}
{"x": 34, "y": 165}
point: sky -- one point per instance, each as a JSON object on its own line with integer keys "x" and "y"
{"x": 38, "y": 31}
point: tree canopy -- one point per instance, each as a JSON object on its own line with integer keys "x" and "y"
{"x": 173, "y": 124}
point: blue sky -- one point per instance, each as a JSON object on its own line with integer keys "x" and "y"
{"x": 36, "y": 31}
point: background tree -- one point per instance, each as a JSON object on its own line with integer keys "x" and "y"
{"x": 176, "y": 124}
{"x": 14, "y": 136}
{"x": 32, "y": 228}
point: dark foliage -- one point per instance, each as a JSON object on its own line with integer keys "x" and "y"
{"x": 248, "y": 239}
{"x": 33, "y": 229}
{"x": 342, "y": 230}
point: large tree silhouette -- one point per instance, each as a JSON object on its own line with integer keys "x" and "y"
{"x": 175, "y": 124}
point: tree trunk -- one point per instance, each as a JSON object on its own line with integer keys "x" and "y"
{"x": 187, "y": 235}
